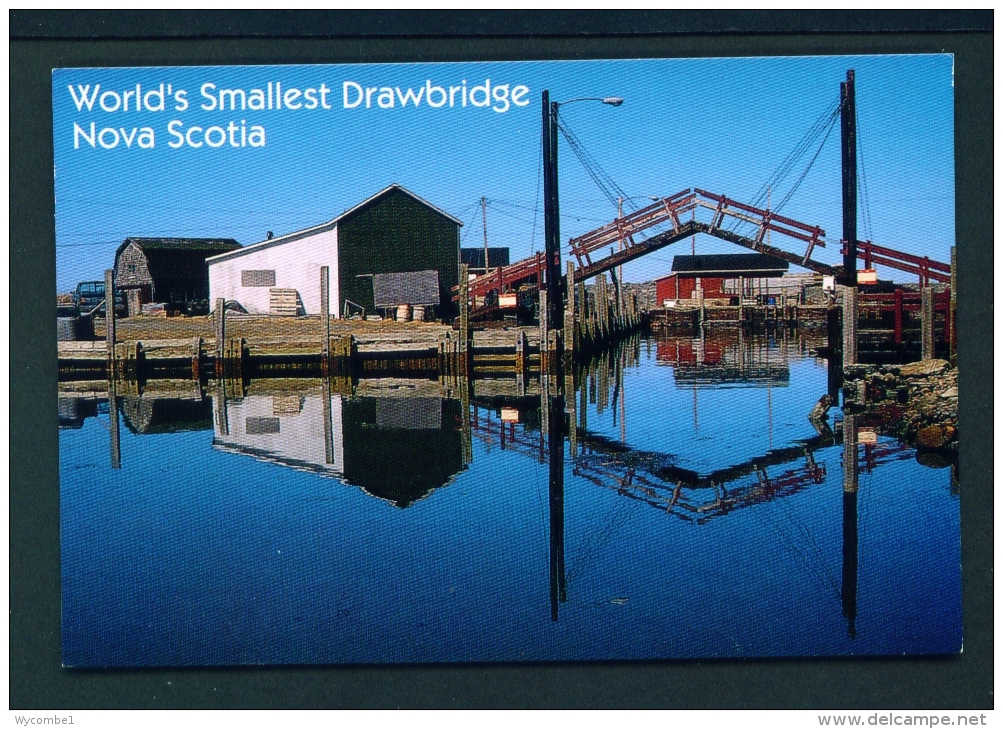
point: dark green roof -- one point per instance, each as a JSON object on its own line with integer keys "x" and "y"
{"x": 207, "y": 245}
{"x": 737, "y": 263}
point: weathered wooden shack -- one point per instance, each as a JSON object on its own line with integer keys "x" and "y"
{"x": 170, "y": 271}
{"x": 392, "y": 232}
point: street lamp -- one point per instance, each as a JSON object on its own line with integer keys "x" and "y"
{"x": 551, "y": 203}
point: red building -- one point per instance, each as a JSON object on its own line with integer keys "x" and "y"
{"x": 713, "y": 273}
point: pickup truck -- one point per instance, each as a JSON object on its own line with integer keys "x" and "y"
{"x": 89, "y": 294}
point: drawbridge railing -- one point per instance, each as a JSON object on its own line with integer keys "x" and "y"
{"x": 922, "y": 266}
{"x": 620, "y": 241}
{"x": 624, "y": 232}
{"x": 669, "y": 210}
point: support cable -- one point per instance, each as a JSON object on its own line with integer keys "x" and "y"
{"x": 820, "y": 128}
{"x": 862, "y": 183}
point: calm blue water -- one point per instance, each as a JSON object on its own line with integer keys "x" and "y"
{"x": 703, "y": 516}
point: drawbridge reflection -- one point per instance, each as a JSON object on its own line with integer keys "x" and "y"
{"x": 401, "y": 439}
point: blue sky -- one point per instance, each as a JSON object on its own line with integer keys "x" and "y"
{"x": 720, "y": 124}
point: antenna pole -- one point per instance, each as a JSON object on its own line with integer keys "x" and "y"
{"x": 484, "y": 217}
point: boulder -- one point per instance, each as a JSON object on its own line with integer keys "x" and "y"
{"x": 935, "y": 437}
{"x": 857, "y": 371}
{"x": 924, "y": 369}
{"x": 949, "y": 393}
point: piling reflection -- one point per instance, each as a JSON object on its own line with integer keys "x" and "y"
{"x": 848, "y": 592}
{"x": 400, "y": 439}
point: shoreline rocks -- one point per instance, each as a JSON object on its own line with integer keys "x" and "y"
{"x": 917, "y": 403}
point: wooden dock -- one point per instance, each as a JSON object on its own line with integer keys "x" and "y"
{"x": 269, "y": 347}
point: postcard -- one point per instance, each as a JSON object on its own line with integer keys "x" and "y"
{"x": 516, "y": 361}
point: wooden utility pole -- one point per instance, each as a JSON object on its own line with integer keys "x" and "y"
{"x": 848, "y": 127}
{"x": 484, "y": 217}
{"x": 551, "y": 214}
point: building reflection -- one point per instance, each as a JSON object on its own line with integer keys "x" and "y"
{"x": 397, "y": 443}
{"x": 75, "y": 408}
{"x": 723, "y": 357}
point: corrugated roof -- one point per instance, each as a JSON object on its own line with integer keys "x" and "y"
{"x": 728, "y": 263}
{"x": 296, "y": 235}
{"x": 418, "y": 288}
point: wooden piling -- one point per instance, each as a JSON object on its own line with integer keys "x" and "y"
{"x": 109, "y": 309}
{"x": 325, "y": 315}
{"x": 465, "y": 320}
{"x": 222, "y": 418}
{"x": 520, "y": 363}
{"x": 850, "y": 454}
{"x": 467, "y": 434}
{"x": 570, "y": 331}
{"x": 898, "y": 316}
{"x": 219, "y": 323}
{"x": 328, "y": 425}
{"x": 116, "y": 444}
{"x": 572, "y": 410}
{"x": 544, "y": 335}
{"x": 197, "y": 359}
{"x": 926, "y": 313}
{"x": 849, "y": 325}
{"x": 952, "y": 311}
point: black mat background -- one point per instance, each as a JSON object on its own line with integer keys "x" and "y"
{"x": 42, "y": 40}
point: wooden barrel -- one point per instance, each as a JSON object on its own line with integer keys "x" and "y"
{"x": 404, "y": 312}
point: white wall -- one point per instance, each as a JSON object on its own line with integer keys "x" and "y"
{"x": 296, "y": 265}
{"x": 301, "y": 435}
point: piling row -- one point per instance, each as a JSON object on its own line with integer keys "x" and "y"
{"x": 604, "y": 315}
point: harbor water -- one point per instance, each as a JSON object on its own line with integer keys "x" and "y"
{"x": 670, "y": 499}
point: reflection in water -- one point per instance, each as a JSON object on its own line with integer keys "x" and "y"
{"x": 848, "y": 592}
{"x": 398, "y": 446}
{"x": 720, "y": 358}
{"x": 403, "y": 440}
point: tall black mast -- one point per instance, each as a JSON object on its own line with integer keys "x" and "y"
{"x": 848, "y": 125}
{"x": 551, "y": 215}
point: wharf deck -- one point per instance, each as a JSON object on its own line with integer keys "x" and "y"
{"x": 148, "y": 347}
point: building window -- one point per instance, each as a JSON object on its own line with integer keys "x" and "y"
{"x": 131, "y": 267}
{"x": 262, "y": 426}
{"x": 257, "y": 278}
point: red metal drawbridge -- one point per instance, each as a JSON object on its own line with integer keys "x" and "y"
{"x": 665, "y": 221}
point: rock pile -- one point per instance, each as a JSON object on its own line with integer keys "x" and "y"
{"x": 916, "y": 402}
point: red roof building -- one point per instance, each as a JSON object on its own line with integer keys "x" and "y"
{"x": 710, "y": 274}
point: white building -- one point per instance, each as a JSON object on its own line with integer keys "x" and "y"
{"x": 394, "y": 231}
